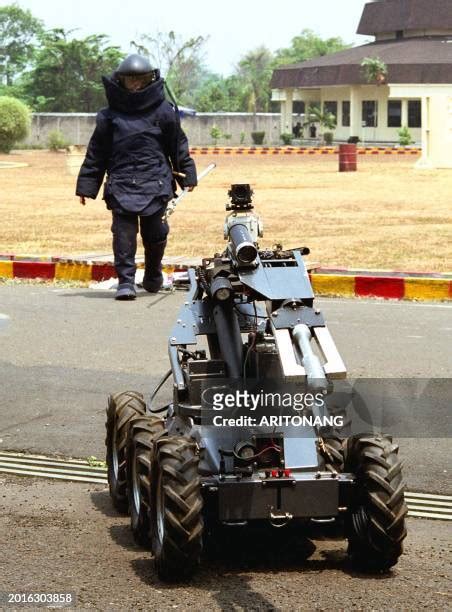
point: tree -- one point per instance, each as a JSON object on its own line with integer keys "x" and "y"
{"x": 67, "y": 73}
{"x": 14, "y": 122}
{"x": 19, "y": 32}
{"x": 212, "y": 95}
{"x": 255, "y": 69}
{"x": 326, "y": 120}
{"x": 216, "y": 94}
{"x": 405, "y": 137}
{"x": 308, "y": 45}
{"x": 374, "y": 70}
{"x": 179, "y": 60}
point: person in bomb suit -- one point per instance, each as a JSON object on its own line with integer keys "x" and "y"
{"x": 139, "y": 145}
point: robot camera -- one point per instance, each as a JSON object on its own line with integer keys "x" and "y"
{"x": 241, "y": 196}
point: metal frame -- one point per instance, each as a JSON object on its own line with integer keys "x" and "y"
{"x": 273, "y": 297}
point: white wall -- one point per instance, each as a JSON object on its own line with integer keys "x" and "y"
{"x": 78, "y": 127}
{"x": 436, "y": 122}
{"x": 381, "y": 133}
{"x": 337, "y": 94}
{"x": 359, "y": 93}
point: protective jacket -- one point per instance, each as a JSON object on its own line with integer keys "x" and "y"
{"x": 137, "y": 142}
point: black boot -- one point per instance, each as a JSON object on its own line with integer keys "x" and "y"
{"x": 153, "y": 255}
{"x": 124, "y": 230}
{"x": 125, "y": 291}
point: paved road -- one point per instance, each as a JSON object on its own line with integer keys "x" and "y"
{"x": 64, "y": 350}
{"x": 61, "y": 537}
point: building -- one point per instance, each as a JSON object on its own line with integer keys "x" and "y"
{"x": 414, "y": 39}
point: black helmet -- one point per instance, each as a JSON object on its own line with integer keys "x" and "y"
{"x": 136, "y": 69}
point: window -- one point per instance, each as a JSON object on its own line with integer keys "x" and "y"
{"x": 298, "y": 107}
{"x": 370, "y": 113}
{"x": 414, "y": 113}
{"x": 330, "y": 107}
{"x": 395, "y": 113}
{"x": 346, "y": 113}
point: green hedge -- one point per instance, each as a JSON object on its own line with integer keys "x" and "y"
{"x": 15, "y": 121}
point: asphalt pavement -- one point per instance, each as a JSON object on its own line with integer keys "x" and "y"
{"x": 63, "y": 350}
{"x": 66, "y": 538}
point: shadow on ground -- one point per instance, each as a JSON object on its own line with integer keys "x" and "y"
{"x": 234, "y": 555}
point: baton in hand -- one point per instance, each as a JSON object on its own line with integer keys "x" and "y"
{"x": 172, "y": 205}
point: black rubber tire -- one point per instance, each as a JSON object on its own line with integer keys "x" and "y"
{"x": 375, "y": 525}
{"x": 121, "y": 408}
{"x": 176, "y": 508}
{"x": 333, "y": 452}
{"x": 143, "y": 431}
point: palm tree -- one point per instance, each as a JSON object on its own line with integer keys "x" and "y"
{"x": 375, "y": 70}
{"x": 255, "y": 69}
{"x": 324, "y": 119}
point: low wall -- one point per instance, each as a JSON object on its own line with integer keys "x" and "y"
{"x": 239, "y": 126}
{"x": 78, "y": 127}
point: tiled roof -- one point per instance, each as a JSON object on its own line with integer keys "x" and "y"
{"x": 409, "y": 60}
{"x": 393, "y": 15}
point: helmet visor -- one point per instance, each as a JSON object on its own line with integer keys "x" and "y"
{"x": 136, "y": 82}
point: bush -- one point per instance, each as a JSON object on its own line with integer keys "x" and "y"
{"x": 257, "y": 137}
{"x": 404, "y": 136}
{"x": 354, "y": 140}
{"x": 328, "y": 138}
{"x": 286, "y": 138}
{"x": 242, "y": 137}
{"x": 215, "y": 133}
{"x": 15, "y": 121}
{"x": 56, "y": 141}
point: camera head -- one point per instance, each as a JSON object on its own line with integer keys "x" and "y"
{"x": 241, "y": 196}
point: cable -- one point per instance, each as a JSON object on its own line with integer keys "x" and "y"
{"x": 158, "y": 387}
{"x": 245, "y": 314}
{"x": 202, "y": 280}
{"x": 257, "y": 455}
{"x": 158, "y": 410}
{"x": 251, "y": 346}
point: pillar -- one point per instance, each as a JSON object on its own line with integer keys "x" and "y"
{"x": 287, "y": 112}
{"x": 436, "y": 131}
{"x": 404, "y": 112}
{"x": 355, "y": 112}
{"x": 425, "y": 159}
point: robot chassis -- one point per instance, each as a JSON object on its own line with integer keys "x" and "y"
{"x": 181, "y": 479}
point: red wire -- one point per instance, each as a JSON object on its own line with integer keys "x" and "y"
{"x": 267, "y": 448}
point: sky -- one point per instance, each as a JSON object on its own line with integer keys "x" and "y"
{"x": 233, "y": 26}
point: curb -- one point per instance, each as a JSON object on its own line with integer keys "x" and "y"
{"x": 300, "y": 151}
{"x": 424, "y": 288}
{"x": 325, "y": 282}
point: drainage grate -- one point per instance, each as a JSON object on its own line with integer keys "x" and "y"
{"x": 422, "y": 505}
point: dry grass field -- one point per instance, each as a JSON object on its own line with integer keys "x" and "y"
{"x": 388, "y": 215}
